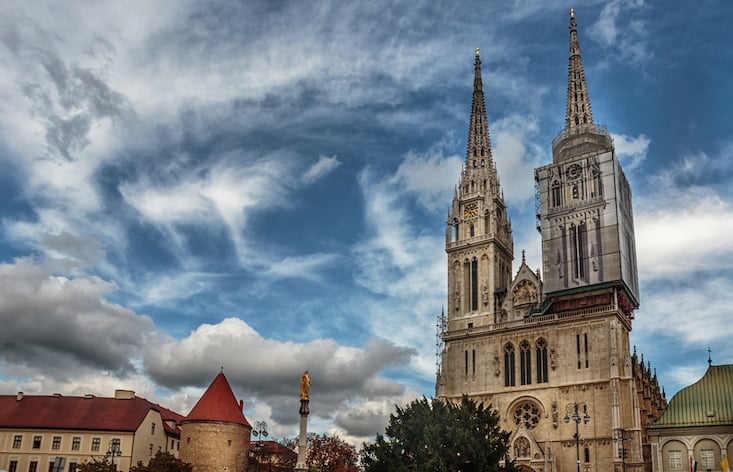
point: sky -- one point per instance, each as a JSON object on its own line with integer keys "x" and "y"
{"x": 263, "y": 186}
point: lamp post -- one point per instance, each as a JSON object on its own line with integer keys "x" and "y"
{"x": 112, "y": 452}
{"x": 573, "y": 408}
{"x": 623, "y": 437}
{"x": 259, "y": 431}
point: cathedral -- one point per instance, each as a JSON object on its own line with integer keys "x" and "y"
{"x": 550, "y": 351}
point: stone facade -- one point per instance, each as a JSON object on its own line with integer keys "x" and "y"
{"x": 543, "y": 350}
{"x": 211, "y": 446}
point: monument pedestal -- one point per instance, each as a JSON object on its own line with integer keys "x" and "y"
{"x": 301, "y": 465}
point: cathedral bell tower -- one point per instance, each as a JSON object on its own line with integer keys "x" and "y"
{"x": 585, "y": 214}
{"x": 478, "y": 234}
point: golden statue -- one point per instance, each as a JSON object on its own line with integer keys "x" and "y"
{"x": 305, "y": 383}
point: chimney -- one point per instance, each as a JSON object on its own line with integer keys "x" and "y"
{"x": 124, "y": 394}
{"x": 19, "y": 397}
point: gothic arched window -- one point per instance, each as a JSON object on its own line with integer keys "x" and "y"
{"x": 556, "y": 200}
{"x": 525, "y": 363}
{"x": 509, "y": 379}
{"x": 474, "y": 282}
{"x": 541, "y": 352}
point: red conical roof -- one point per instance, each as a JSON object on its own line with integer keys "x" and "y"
{"x": 218, "y": 404}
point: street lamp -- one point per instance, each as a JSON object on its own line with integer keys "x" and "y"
{"x": 623, "y": 436}
{"x": 113, "y": 451}
{"x": 259, "y": 431}
{"x": 573, "y": 408}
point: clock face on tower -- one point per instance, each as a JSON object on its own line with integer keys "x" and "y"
{"x": 470, "y": 211}
{"x": 574, "y": 171}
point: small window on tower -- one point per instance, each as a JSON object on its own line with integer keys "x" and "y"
{"x": 483, "y": 163}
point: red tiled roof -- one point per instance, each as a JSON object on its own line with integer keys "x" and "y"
{"x": 218, "y": 404}
{"x": 275, "y": 448}
{"x": 85, "y": 413}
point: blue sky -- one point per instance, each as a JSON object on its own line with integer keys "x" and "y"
{"x": 263, "y": 185}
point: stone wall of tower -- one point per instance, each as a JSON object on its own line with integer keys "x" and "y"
{"x": 586, "y": 223}
{"x": 211, "y": 446}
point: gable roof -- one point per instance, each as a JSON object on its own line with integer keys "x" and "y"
{"x": 218, "y": 404}
{"x": 82, "y": 413}
{"x": 706, "y": 402}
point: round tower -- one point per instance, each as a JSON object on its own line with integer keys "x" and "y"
{"x": 215, "y": 434}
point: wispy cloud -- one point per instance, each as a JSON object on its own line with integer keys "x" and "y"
{"x": 632, "y": 151}
{"x": 620, "y": 29}
{"x": 323, "y": 166}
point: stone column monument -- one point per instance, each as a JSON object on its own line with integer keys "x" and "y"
{"x": 305, "y": 383}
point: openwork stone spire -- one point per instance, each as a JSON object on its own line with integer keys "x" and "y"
{"x": 479, "y": 143}
{"x": 580, "y": 135}
{"x": 578, "y": 115}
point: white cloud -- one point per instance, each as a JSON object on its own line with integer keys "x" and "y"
{"x": 305, "y": 267}
{"x": 614, "y": 30}
{"x": 684, "y": 235}
{"x": 428, "y": 177}
{"x": 516, "y": 154}
{"x": 632, "y": 151}
{"x": 323, "y": 166}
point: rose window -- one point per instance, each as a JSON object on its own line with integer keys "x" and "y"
{"x": 527, "y": 414}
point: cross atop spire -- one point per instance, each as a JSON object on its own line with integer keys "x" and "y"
{"x": 479, "y": 143}
{"x": 579, "y": 114}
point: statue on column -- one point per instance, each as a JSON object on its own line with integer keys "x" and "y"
{"x": 305, "y": 384}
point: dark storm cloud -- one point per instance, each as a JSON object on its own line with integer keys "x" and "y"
{"x": 270, "y": 369}
{"x": 58, "y": 326}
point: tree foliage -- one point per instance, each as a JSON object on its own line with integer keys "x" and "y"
{"x": 435, "y": 435}
{"x": 331, "y": 454}
{"x": 161, "y": 462}
{"x": 96, "y": 465}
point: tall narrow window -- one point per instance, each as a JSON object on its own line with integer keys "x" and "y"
{"x": 585, "y": 338}
{"x": 56, "y": 443}
{"x": 75, "y": 443}
{"x": 95, "y": 443}
{"x": 509, "y": 379}
{"x": 73, "y": 466}
{"x": 466, "y": 361}
{"x": 577, "y": 342}
{"x": 17, "y": 441}
{"x": 587, "y": 455}
{"x": 473, "y": 361}
{"x": 556, "y": 200}
{"x": 33, "y": 466}
{"x": 13, "y": 467}
{"x": 541, "y": 361}
{"x": 474, "y": 284}
{"x": 525, "y": 363}
{"x": 471, "y": 231}
{"x": 37, "y": 442}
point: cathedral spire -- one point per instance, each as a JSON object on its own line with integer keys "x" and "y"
{"x": 479, "y": 143}
{"x": 579, "y": 115}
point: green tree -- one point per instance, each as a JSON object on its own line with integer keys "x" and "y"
{"x": 161, "y": 462}
{"x": 331, "y": 454}
{"x": 97, "y": 465}
{"x": 438, "y": 436}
